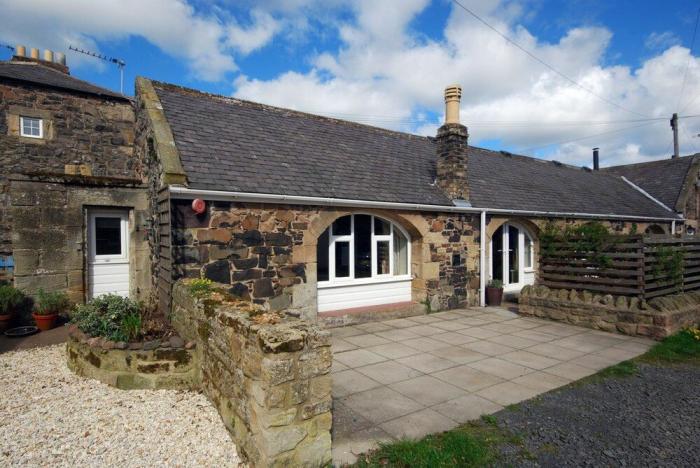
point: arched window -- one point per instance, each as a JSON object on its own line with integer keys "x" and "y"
{"x": 362, "y": 247}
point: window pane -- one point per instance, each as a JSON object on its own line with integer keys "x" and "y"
{"x": 341, "y": 226}
{"x": 383, "y": 258}
{"x": 513, "y": 255}
{"x": 322, "y": 257}
{"x": 400, "y": 253}
{"x": 381, "y": 227}
{"x": 108, "y": 236}
{"x": 31, "y": 126}
{"x": 342, "y": 259}
{"x": 363, "y": 246}
{"x": 528, "y": 252}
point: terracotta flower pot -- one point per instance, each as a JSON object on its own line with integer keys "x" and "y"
{"x": 45, "y": 322}
{"x": 5, "y": 322}
{"x": 494, "y": 296}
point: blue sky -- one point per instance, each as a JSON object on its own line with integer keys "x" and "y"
{"x": 385, "y": 62}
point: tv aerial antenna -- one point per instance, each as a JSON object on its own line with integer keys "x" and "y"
{"x": 117, "y": 61}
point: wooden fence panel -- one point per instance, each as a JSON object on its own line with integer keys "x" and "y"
{"x": 639, "y": 266}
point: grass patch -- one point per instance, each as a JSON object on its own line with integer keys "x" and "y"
{"x": 473, "y": 444}
{"x": 683, "y": 347}
{"x": 623, "y": 369}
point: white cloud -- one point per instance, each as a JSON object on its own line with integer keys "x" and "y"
{"x": 201, "y": 39}
{"x": 384, "y": 74}
{"x": 658, "y": 41}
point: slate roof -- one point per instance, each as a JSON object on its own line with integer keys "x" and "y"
{"x": 663, "y": 179}
{"x": 38, "y": 74}
{"x": 233, "y": 145}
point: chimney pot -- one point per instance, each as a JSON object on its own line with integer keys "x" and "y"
{"x": 60, "y": 58}
{"x": 596, "y": 159}
{"x": 453, "y": 95}
{"x": 20, "y": 51}
{"x": 34, "y": 53}
{"x": 48, "y": 55}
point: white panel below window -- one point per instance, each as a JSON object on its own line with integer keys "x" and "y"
{"x": 363, "y": 295}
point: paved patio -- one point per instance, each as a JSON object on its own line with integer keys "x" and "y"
{"x": 406, "y": 378}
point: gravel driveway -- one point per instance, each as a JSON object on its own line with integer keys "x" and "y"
{"x": 52, "y": 417}
{"x": 649, "y": 420}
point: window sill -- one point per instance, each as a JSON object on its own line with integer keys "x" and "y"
{"x": 359, "y": 282}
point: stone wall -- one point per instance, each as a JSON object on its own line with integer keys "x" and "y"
{"x": 267, "y": 253}
{"x": 266, "y": 373}
{"x": 657, "y": 319}
{"x": 92, "y": 134}
{"x": 152, "y": 365}
{"x": 49, "y": 235}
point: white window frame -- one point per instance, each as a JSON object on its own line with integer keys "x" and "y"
{"x": 522, "y": 234}
{"x": 21, "y": 127}
{"x": 374, "y": 278}
{"x": 122, "y": 257}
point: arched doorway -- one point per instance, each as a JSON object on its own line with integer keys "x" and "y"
{"x": 654, "y": 230}
{"x": 512, "y": 258}
{"x": 363, "y": 260}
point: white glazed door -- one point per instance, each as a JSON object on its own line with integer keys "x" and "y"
{"x": 108, "y": 253}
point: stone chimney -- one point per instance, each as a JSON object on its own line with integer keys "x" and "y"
{"x": 452, "y": 149}
{"x": 55, "y": 60}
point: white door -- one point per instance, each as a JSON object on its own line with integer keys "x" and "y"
{"x": 108, "y": 253}
{"x": 512, "y": 257}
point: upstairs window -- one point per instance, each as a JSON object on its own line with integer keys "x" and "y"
{"x": 31, "y": 127}
{"x": 362, "y": 247}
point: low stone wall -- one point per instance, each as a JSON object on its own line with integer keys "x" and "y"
{"x": 150, "y": 365}
{"x": 267, "y": 374}
{"x": 657, "y": 319}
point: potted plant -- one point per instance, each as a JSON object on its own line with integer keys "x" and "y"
{"x": 494, "y": 292}
{"x": 11, "y": 300}
{"x": 48, "y": 306}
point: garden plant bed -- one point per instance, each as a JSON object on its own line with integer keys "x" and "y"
{"x": 168, "y": 363}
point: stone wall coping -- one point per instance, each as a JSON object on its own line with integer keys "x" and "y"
{"x": 173, "y": 342}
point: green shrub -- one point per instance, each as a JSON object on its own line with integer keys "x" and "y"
{"x": 110, "y": 316}
{"x": 49, "y": 303}
{"x": 201, "y": 287}
{"x": 11, "y": 300}
{"x": 496, "y": 283}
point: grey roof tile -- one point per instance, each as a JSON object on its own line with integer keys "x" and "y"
{"x": 233, "y": 145}
{"x": 46, "y": 76}
{"x": 662, "y": 179}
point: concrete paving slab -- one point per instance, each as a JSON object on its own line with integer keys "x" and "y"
{"x": 454, "y": 338}
{"x": 479, "y": 332}
{"x": 381, "y": 404}
{"x": 467, "y": 378}
{"x": 350, "y": 381}
{"x": 394, "y": 350}
{"x": 374, "y": 327}
{"x": 467, "y": 408}
{"x": 417, "y": 425}
{"x": 536, "y": 335}
{"x": 399, "y": 323}
{"x": 364, "y": 341}
{"x": 427, "y": 363}
{"x": 358, "y": 358}
{"x": 428, "y": 390}
{"x": 425, "y": 319}
{"x": 388, "y": 372}
{"x": 345, "y": 450}
{"x": 508, "y": 393}
{"x": 541, "y": 381}
{"x": 513, "y": 341}
{"x": 459, "y": 354}
{"x": 342, "y": 332}
{"x": 549, "y": 349}
{"x": 500, "y": 368}
{"x": 424, "y": 330}
{"x": 531, "y": 360}
{"x": 425, "y": 344}
{"x": 488, "y": 347}
{"x": 451, "y": 325}
{"x": 397, "y": 334}
{"x": 340, "y": 345}
{"x": 569, "y": 370}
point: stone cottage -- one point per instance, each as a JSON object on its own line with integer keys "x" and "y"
{"x": 325, "y": 218}
{"x": 340, "y": 221}
{"x": 73, "y": 204}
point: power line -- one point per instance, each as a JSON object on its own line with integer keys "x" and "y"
{"x": 527, "y": 150}
{"x": 690, "y": 56}
{"x": 542, "y": 62}
{"x": 690, "y": 140}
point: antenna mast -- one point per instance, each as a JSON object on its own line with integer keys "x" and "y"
{"x": 117, "y": 61}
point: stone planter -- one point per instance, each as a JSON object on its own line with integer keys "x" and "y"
{"x": 169, "y": 363}
{"x": 494, "y": 296}
{"x": 45, "y": 322}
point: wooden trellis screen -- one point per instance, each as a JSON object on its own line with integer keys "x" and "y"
{"x": 628, "y": 266}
